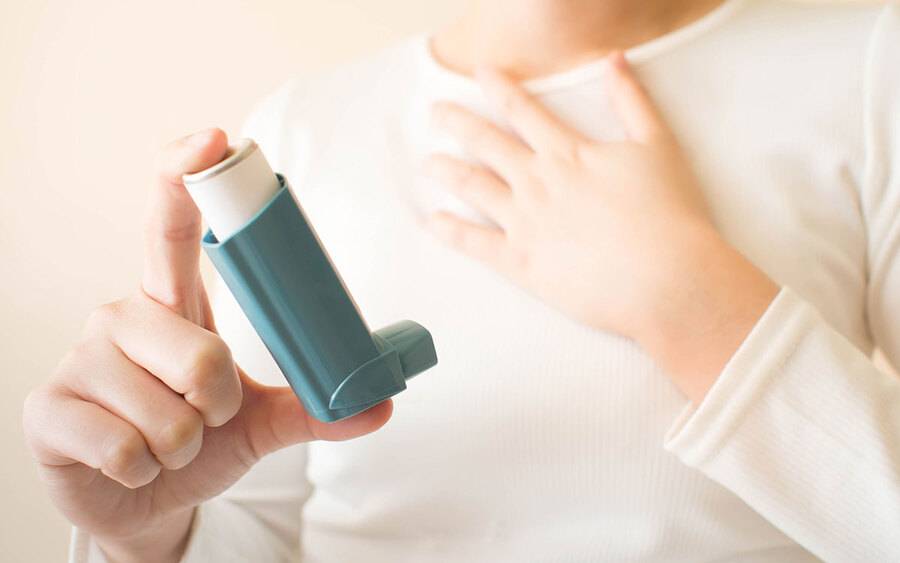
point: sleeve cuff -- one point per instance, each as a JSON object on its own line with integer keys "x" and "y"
{"x": 83, "y": 548}
{"x": 699, "y": 432}
{"x": 203, "y": 529}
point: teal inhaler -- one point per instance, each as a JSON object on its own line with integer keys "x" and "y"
{"x": 264, "y": 247}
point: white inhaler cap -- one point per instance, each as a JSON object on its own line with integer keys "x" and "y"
{"x": 230, "y": 193}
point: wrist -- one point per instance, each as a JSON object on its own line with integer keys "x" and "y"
{"x": 165, "y": 543}
{"x": 706, "y": 307}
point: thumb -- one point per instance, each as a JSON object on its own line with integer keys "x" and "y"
{"x": 273, "y": 418}
{"x": 172, "y": 232}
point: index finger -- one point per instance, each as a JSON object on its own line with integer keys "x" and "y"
{"x": 538, "y": 126}
{"x": 172, "y": 231}
{"x": 482, "y": 139}
{"x": 631, "y": 101}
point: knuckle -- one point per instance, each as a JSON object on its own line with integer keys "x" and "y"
{"x": 70, "y": 368}
{"x": 166, "y": 157}
{"x": 226, "y": 408}
{"x": 125, "y": 457}
{"x": 103, "y": 317}
{"x": 33, "y": 410}
{"x": 179, "y": 433}
{"x": 212, "y": 385}
{"x": 36, "y": 398}
{"x": 567, "y": 154}
{"x": 184, "y": 232}
{"x": 210, "y": 364}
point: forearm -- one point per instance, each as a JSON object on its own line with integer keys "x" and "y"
{"x": 803, "y": 427}
{"x": 706, "y": 306}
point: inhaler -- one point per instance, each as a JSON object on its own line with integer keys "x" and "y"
{"x": 266, "y": 250}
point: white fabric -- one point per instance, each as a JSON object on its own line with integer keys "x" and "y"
{"x": 537, "y": 439}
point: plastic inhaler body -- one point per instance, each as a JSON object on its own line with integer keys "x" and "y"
{"x": 267, "y": 252}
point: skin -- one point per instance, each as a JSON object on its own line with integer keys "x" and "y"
{"x": 148, "y": 416}
{"x": 503, "y": 34}
{"x": 597, "y": 212}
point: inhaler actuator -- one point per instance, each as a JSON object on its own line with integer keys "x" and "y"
{"x": 265, "y": 249}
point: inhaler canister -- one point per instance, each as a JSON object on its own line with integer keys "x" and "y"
{"x": 266, "y": 251}
{"x": 231, "y": 192}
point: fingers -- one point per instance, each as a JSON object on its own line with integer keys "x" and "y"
{"x": 631, "y": 102}
{"x": 172, "y": 429}
{"x": 542, "y": 130}
{"x": 65, "y": 429}
{"x": 473, "y": 184}
{"x": 187, "y": 358}
{"x": 172, "y": 234}
{"x": 499, "y": 150}
{"x": 273, "y": 418}
{"x": 357, "y": 425}
{"x": 485, "y": 244}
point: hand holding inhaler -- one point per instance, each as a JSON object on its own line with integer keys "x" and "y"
{"x": 269, "y": 255}
{"x": 148, "y": 416}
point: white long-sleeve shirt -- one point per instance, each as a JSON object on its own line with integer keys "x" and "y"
{"x": 538, "y": 439}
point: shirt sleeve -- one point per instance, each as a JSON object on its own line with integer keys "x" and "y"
{"x": 801, "y": 424}
{"x": 258, "y": 518}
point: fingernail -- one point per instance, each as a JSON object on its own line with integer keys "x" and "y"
{"x": 199, "y": 139}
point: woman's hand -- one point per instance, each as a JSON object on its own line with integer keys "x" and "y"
{"x": 148, "y": 415}
{"x": 615, "y": 234}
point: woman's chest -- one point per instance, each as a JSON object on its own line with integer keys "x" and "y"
{"x": 500, "y": 350}
{"x": 524, "y": 398}
{"x": 785, "y": 202}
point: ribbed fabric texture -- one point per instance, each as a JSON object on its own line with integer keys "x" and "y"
{"x": 776, "y": 430}
{"x": 537, "y": 439}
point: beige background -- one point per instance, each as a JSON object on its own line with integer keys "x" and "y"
{"x": 88, "y": 91}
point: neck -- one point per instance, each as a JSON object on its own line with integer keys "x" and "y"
{"x": 531, "y": 38}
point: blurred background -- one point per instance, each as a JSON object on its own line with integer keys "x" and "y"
{"x": 89, "y": 91}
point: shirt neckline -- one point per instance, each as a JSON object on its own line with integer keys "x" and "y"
{"x": 592, "y": 69}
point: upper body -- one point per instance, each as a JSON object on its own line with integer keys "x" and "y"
{"x": 539, "y": 438}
